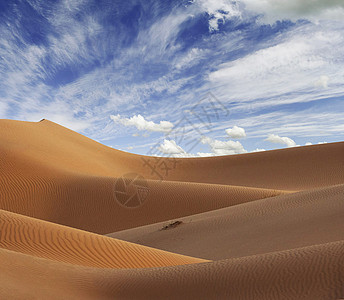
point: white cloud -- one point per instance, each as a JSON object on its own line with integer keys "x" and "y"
{"x": 303, "y": 123}
{"x": 296, "y": 9}
{"x": 154, "y": 41}
{"x": 170, "y": 147}
{"x": 219, "y": 10}
{"x": 322, "y": 82}
{"x": 273, "y": 138}
{"x": 236, "y": 132}
{"x": 3, "y": 109}
{"x": 308, "y": 144}
{"x": 284, "y": 58}
{"x": 285, "y": 70}
{"x": 258, "y": 150}
{"x": 217, "y": 147}
{"x": 190, "y": 58}
{"x": 202, "y": 154}
{"x": 141, "y": 124}
{"x": 223, "y": 148}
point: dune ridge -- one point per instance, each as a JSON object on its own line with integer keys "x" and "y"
{"x": 56, "y": 242}
{"x": 254, "y": 226}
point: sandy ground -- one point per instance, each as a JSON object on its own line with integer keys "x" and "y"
{"x": 73, "y": 225}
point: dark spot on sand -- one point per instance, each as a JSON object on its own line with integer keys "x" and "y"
{"x": 172, "y": 225}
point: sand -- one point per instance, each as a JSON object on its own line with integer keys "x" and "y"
{"x": 263, "y": 225}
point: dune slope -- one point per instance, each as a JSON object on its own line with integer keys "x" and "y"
{"x": 314, "y": 272}
{"x": 48, "y": 240}
{"x": 267, "y": 225}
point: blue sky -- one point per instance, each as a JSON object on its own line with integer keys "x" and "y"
{"x": 181, "y": 78}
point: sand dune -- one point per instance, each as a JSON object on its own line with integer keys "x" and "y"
{"x": 80, "y": 201}
{"x": 48, "y": 240}
{"x": 40, "y": 144}
{"x": 314, "y": 272}
{"x": 77, "y": 195}
{"x": 253, "y": 226}
{"x": 267, "y": 225}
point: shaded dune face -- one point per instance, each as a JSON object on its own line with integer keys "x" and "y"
{"x": 253, "y": 226}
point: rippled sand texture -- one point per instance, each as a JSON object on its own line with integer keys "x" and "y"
{"x": 266, "y": 225}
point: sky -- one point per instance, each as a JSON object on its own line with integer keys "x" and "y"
{"x": 177, "y": 78}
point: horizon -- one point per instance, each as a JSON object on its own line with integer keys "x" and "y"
{"x": 174, "y": 157}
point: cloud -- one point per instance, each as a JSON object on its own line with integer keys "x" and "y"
{"x": 295, "y": 9}
{"x": 223, "y": 148}
{"x": 85, "y": 68}
{"x": 236, "y": 132}
{"x": 322, "y": 82}
{"x": 218, "y": 148}
{"x": 258, "y": 150}
{"x": 170, "y": 147}
{"x": 306, "y": 123}
{"x": 202, "y": 154}
{"x": 141, "y": 124}
{"x": 273, "y": 138}
{"x": 219, "y": 10}
{"x": 3, "y": 109}
{"x": 284, "y": 70}
{"x": 191, "y": 58}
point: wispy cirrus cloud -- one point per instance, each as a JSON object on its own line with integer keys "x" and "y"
{"x": 286, "y": 71}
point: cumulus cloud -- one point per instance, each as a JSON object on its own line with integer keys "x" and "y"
{"x": 273, "y": 138}
{"x": 236, "y": 132}
{"x": 171, "y": 147}
{"x": 223, "y": 148}
{"x": 295, "y": 9}
{"x": 258, "y": 150}
{"x": 202, "y": 154}
{"x": 141, "y": 124}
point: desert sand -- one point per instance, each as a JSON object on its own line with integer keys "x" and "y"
{"x": 265, "y": 225}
